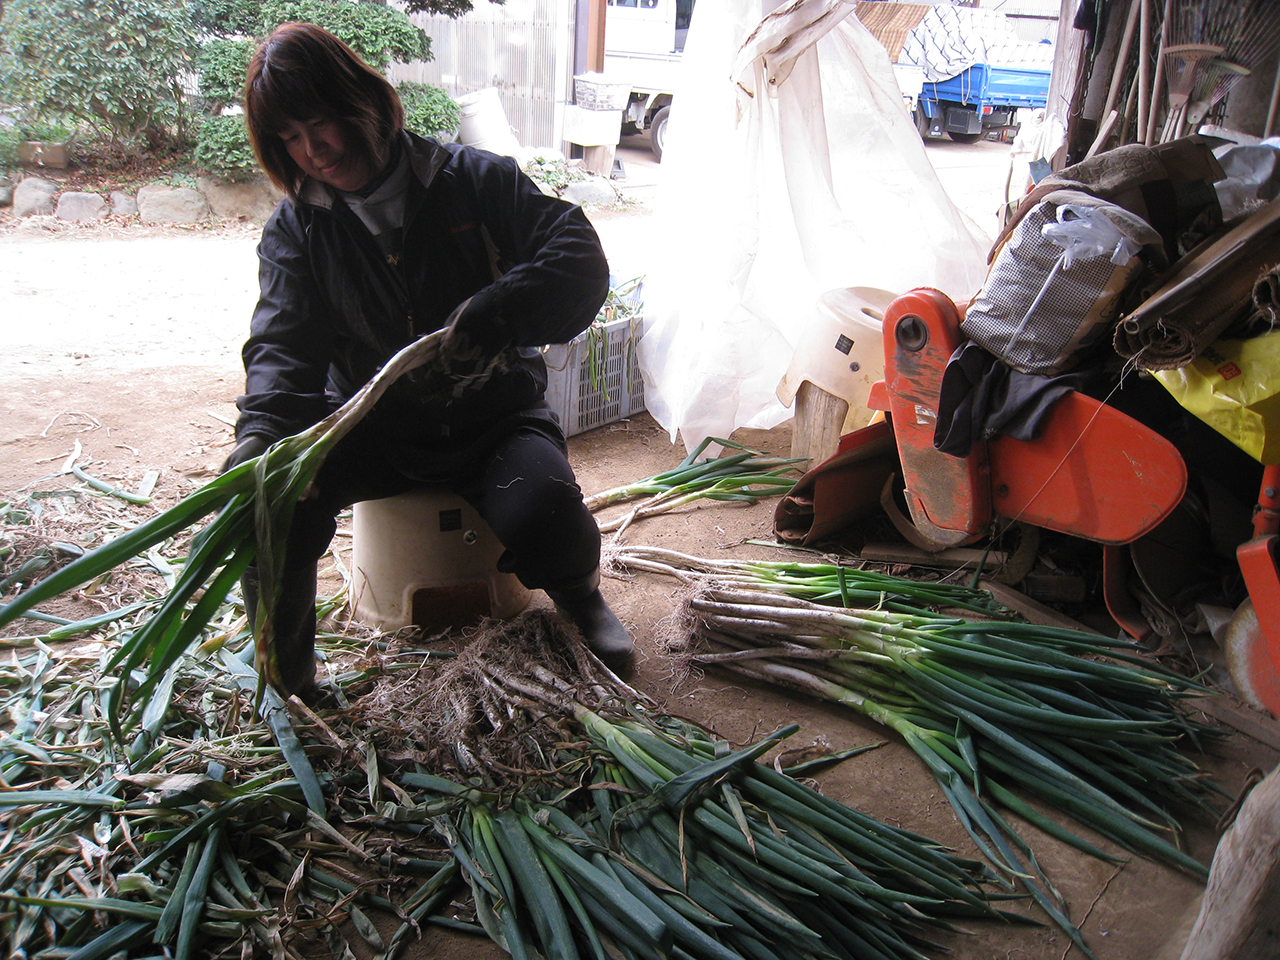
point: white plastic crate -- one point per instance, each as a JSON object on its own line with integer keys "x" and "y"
{"x": 595, "y": 91}
{"x": 594, "y": 379}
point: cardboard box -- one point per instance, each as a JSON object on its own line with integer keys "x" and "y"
{"x": 592, "y": 128}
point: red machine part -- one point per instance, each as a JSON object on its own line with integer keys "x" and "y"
{"x": 949, "y": 498}
{"x": 1253, "y": 644}
{"x": 1092, "y": 472}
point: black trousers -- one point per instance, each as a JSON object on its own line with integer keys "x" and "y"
{"x": 521, "y": 483}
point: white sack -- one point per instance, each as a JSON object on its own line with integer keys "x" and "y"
{"x": 949, "y": 40}
{"x": 791, "y": 168}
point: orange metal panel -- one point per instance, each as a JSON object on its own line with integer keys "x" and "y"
{"x": 1257, "y": 560}
{"x": 1093, "y": 472}
{"x": 949, "y": 497}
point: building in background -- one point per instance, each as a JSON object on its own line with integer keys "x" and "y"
{"x": 530, "y": 51}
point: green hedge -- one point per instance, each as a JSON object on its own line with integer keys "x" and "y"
{"x": 223, "y": 66}
{"x": 222, "y": 148}
{"x": 429, "y": 111}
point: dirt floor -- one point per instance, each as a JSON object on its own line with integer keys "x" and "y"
{"x": 123, "y": 344}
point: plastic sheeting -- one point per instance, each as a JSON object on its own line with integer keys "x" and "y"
{"x": 949, "y": 40}
{"x": 791, "y": 168}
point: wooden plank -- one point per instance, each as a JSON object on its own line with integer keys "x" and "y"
{"x": 1242, "y": 899}
{"x": 1033, "y": 610}
{"x": 953, "y": 558}
{"x": 1252, "y": 723}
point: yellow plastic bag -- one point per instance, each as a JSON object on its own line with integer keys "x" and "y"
{"x": 1234, "y": 386}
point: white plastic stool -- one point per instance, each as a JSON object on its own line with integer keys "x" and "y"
{"x": 838, "y": 358}
{"x": 427, "y": 558}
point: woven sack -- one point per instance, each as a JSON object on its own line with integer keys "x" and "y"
{"x": 1043, "y": 305}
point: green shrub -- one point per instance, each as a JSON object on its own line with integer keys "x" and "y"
{"x": 110, "y": 64}
{"x": 555, "y": 172}
{"x": 45, "y": 132}
{"x": 223, "y": 148}
{"x": 8, "y": 148}
{"x": 227, "y": 18}
{"x": 379, "y": 34}
{"x": 223, "y": 65}
{"x": 429, "y": 111}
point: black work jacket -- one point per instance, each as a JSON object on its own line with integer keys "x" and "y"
{"x": 333, "y": 308}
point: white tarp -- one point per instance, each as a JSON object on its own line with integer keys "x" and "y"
{"x": 791, "y": 168}
{"x": 949, "y": 40}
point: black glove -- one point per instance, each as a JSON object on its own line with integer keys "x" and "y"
{"x": 474, "y": 331}
{"x": 254, "y": 445}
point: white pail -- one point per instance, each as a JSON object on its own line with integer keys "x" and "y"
{"x": 484, "y": 123}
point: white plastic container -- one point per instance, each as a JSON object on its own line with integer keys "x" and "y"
{"x": 427, "y": 558}
{"x": 842, "y": 352}
{"x": 483, "y": 123}
{"x": 594, "y": 379}
{"x": 592, "y": 128}
{"x": 595, "y": 91}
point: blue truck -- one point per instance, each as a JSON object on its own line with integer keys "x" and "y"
{"x": 981, "y": 100}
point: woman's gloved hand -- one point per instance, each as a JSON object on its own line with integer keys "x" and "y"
{"x": 254, "y": 445}
{"x": 474, "y": 331}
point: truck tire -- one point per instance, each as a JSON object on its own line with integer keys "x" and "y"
{"x": 964, "y": 137}
{"x": 658, "y": 132}
{"x": 922, "y": 122}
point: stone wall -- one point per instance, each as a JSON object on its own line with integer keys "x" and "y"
{"x": 155, "y": 203}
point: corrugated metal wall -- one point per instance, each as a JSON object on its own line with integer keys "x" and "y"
{"x": 524, "y": 48}
{"x": 1032, "y": 20}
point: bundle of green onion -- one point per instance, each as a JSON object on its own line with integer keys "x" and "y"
{"x": 825, "y": 583}
{"x": 655, "y": 837}
{"x": 741, "y": 477}
{"x": 254, "y": 505}
{"x": 993, "y": 708}
{"x": 193, "y": 839}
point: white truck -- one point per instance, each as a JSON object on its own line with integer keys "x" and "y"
{"x": 643, "y": 43}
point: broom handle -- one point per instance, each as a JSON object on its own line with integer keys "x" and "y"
{"x": 1122, "y": 56}
{"x": 1271, "y": 110}
{"x": 1156, "y": 87}
{"x": 1144, "y": 71}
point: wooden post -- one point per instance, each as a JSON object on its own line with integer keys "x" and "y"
{"x": 599, "y": 160}
{"x": 818, "y": 422}
{"x": 595, "y": 35}
{"x": 1157, "y": 85}
{"x": 1122, "y": 57}
{"x": 1238, "y": 914}
{"x": 1144, "y": 75}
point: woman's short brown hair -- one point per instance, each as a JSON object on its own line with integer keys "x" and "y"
{"x": 303, "y": 72}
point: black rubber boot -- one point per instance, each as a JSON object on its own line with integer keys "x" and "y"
{"x": 604, "y": 633}
{"x": 295, "y": 627}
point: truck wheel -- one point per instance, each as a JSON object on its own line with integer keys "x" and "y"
{"x": 922, "y": 122}
{"x": 964, "y": 137}
{"x": 658, "y": 131}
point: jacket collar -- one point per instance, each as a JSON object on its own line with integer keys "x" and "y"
{"x": 426, "y": 157}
